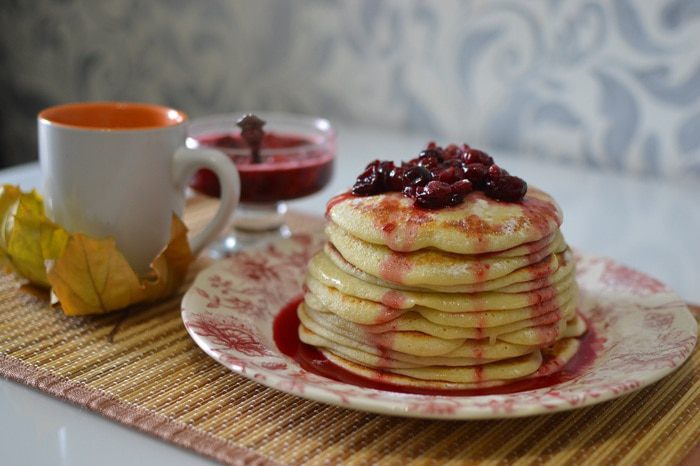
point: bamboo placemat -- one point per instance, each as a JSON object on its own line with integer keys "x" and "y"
{"x": 141, "y": 368}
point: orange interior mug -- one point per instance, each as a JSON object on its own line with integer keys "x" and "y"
{"x": 118, "y": 169}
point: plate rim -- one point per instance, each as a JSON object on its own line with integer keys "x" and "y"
{"x": 311, "y": 391}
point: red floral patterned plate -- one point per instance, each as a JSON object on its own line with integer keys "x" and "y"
{"x": 647, "y": 332}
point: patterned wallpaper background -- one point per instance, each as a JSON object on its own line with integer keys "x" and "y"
{"x": 610, "y": 83}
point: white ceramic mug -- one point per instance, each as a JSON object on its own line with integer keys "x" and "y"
{"x": 113, "y": 169}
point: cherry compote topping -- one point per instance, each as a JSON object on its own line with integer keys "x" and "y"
{"x": 441, "y": 177}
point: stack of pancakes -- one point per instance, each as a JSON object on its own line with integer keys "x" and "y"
{"x": 470, "y": 296}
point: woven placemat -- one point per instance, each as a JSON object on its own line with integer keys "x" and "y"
{"x": 141, "y": 368}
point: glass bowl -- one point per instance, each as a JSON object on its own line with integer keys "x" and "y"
{"x": 296, "y": 160}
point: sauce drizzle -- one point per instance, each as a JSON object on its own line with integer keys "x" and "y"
{"x": 286, "y": 336}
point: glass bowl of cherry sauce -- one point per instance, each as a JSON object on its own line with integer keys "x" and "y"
{"x": 294, "y": 159}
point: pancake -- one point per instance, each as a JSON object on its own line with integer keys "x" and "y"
{"x": 415, "y": 343}
{"x": 364, "y": 312}
{"x": 371, "y": 356}
{"x": 414, "y": 335}
{"x": 551, "y": 361}
{"x": 555, "y": 357}
{"x": 369, "y": 312}
{"x": 415, "y": 322}
{"x": 384, "y": 365}
{"x": 430, "y": 266}
{"x": 343, "y": 286}
{"x": 346, "y": 277}
{"x": 499, "y": 374}
{"x": 487, "y": 319}
{"x": 523, "y": 279}
{"x": 412, "y": 332}
{"x": 575, "y": 327}
{"x": 469, "y": 296}
{"x": 478, "y": 225}
{"x": 514, "y": 368}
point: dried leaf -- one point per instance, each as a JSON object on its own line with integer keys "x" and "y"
{"x": 169, "y": 269}
{"x": 93, "y": 277}
{"x": 87, "y": 275}
{"x": 27, "y": 237}
{"x": 9, "y": 195}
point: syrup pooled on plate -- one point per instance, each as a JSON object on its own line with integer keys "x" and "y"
{"x": 286, "y": 338}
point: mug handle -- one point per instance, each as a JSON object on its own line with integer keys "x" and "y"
{"x": 185, "y": 163}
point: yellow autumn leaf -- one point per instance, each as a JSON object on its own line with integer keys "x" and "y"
{"x": 169, "y": 268}
{"x": 93, "y": 277}
{"x": 27, "y": 237}
{"x": 9, "y": 195}
{"x": 87, "y": 275}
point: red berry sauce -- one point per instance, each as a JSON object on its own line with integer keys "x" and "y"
{"x": 441, "y": 177}
{"x": 286, "y": 336}
{"x": 278, "y": 177}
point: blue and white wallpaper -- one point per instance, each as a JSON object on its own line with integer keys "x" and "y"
{"x": 610, "y": 83}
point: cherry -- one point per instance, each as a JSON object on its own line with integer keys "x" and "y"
{"x": 453, "y": 151}
{"x": 384, "y": 170}
{"x": 433, "y": 153}
{"x": 434, "y": 195}
{"x": 477, "y": 173}
{"x": 455, "y": 199}
{"x": 373, "y": 164}
{"x": 441, "y": 177}
{"x": 478, "y": 156}
{"x": 450, "y": 174}
{"x": 417, "y": 176}
{"x": 395, "y": 179}
{"x": 495, "y": 172}
{"x": 370, "y": 181}
{"x": 431, "y": 162}
{"x": 457, "y": 163}
{"x": 506, "y": 188}
{"x": 462, "y": 187}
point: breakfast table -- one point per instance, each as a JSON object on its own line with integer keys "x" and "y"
{"x": 648, "y": 223}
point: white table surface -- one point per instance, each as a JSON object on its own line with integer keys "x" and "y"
{"x": 651, "y": 225}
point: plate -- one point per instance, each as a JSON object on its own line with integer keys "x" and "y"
{"x": 645, "y": 331}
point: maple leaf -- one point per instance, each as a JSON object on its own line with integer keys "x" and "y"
{"x": 92, "y": 276}
{"x": 86, "y": 275}
{"x": 169, "y": 268}
{"x": 27, "y": 237}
